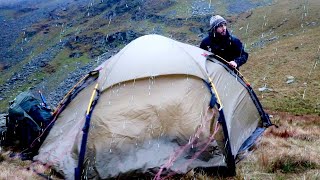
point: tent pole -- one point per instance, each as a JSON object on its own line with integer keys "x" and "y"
{"x": 85, "y": 130}
{"x": 230, "y": 158}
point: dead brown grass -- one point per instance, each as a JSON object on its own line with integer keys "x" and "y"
{"x": 15, "y": 168}
{"x": 291, "y": 151}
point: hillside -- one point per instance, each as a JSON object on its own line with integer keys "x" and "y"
{"x": 285, "y": 56}
{"x": 42, "y": 41}
{"x": 49, "y": 47}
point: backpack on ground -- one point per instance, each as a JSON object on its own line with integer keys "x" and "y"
{"x": 27, "y": 120}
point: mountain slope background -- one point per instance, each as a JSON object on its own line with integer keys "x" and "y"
{"x": 48, "y": 46}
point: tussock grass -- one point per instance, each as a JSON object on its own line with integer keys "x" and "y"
{"x": 288, "y": 152}
{"x": 291, "y": 151}
{"x": 291, "y": 164}
{"x": 15, "y": 168}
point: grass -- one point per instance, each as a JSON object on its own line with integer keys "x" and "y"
{"x": 180, "y": 9}
{"x": 62, "y": 62}
{"x": 44, "y": 41}
{"x": 291, "y": 164}
{"x": 14, "y": 168}
{"x": 8, "y": 12}
{"x": 271, "y": 68}
{"x": 288, "y": 152}
{"x": 183, "y": 9}
{"x": 295, "y": 55}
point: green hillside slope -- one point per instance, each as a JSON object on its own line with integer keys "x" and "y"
{"x": 282, "y": 38}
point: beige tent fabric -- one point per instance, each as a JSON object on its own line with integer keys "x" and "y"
{"x": 134, "y": 123}
{"x": 241, "y": 114}
{"x": 152, "y": 55}
{"x": 57, "y": 148}
{"x": 153, "y": 101}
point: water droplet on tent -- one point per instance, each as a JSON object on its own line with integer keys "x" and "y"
{"x": 110, "y": 150}
{"x": 134, "y": 82}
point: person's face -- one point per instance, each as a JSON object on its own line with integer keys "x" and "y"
{"x": 222, "y": 29}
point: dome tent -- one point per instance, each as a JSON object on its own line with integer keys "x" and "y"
{"x": 161, "y": 107}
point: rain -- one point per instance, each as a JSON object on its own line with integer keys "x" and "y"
{"x": 263, "y": 83}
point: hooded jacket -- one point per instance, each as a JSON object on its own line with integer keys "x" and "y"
{"x": 228, "y": 47}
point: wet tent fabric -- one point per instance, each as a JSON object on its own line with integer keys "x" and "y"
{"x": 152, "y": 55}
{"x": 240, "y": 112}
{"x": 152, "y": 119}
{"x": 57, "y": 149}
{"x": 153, "y": 102}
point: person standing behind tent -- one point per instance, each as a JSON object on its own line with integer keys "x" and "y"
{"x": 220, "y": 42}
